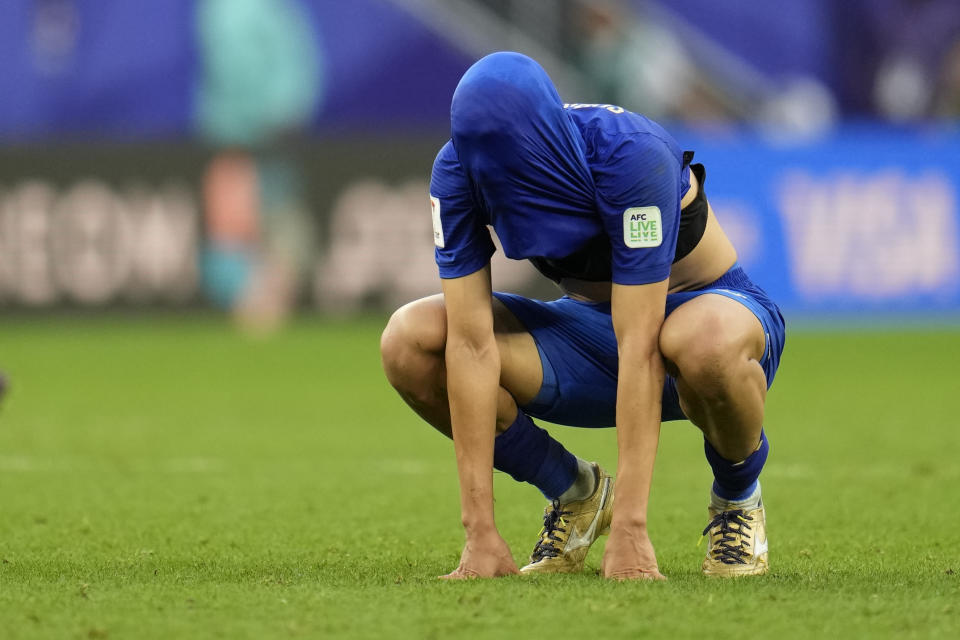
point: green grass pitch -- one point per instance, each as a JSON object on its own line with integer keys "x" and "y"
{"x": 168, "y": 478}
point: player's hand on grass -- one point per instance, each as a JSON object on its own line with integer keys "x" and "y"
{"x": 629, "y": 555}
{"x": 484, "y": 556}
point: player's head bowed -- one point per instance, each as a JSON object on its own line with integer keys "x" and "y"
{"x": 514, "y": 139}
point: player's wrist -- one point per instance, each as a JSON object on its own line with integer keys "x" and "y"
{"x": 629, "y": 522}
{"x": 479, "y": 527}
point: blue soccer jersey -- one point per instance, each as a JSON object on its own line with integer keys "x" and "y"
{"x": 552, "y": 178}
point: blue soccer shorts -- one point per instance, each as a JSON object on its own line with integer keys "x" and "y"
{"x": 578, "y": 350}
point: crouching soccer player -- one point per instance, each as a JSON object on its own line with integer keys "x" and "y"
{"x": 658, "y": 322}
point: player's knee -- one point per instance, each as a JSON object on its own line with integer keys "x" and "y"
{"x": 414, "y": 330}
{"x": 391, "y": 349}
{"x": 703, "y": 353}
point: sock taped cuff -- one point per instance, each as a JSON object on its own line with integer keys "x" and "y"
{"x": 736, "y": 480}
{"x": 529, "y": 454}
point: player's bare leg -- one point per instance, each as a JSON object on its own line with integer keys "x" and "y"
{"x": 412, "y": 348}
{"x": 712, "y": 346}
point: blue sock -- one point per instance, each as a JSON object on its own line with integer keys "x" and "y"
{"x": 735, "y": 481}
{"x": 529, "y": 454}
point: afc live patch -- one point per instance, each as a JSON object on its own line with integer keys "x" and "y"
{"x": 642, "y": 227}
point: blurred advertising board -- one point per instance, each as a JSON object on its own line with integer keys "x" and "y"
{"x": 867, "y": 220}
{"x": 146, "y": 70}
{"x": 864, "y": 222}
{"x": 94, "y": 226}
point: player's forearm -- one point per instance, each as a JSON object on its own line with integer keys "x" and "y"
{"x": 638, "y": 428}
{"x": 473, "y": 373}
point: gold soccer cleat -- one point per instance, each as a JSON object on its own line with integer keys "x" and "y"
{"x": 737, "y": 543}
{"x": 570, "y": 529}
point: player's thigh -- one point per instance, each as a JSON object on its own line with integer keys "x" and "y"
{"x": 521, "y": 372}
{"x": 710, "y": 331}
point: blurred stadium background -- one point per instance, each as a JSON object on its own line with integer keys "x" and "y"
{"x": 170, "y": 169}
{"x": 264, "y": 156}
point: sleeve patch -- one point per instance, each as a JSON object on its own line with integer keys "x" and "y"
{"x": 437, "y": 225}
{"x": 642, "y": 227}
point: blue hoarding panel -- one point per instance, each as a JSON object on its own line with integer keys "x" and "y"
{"x": 387, "y": 70}
{"x": 866, "y": 220}
{"x": 132, "y": 69}
{"x": 113, "y": 67}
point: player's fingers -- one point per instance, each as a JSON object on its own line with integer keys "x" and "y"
{"x": 460, "y": 573}
{"x": 635, "y": 574}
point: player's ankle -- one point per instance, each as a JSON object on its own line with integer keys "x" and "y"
{"x": 724, "y": 501}
{"x": 735, "y": 482}
{"x": 583, "y": 487}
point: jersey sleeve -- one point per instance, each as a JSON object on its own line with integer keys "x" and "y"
{"x": 639, "y": 191}
{"x": 462, "y": 240}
